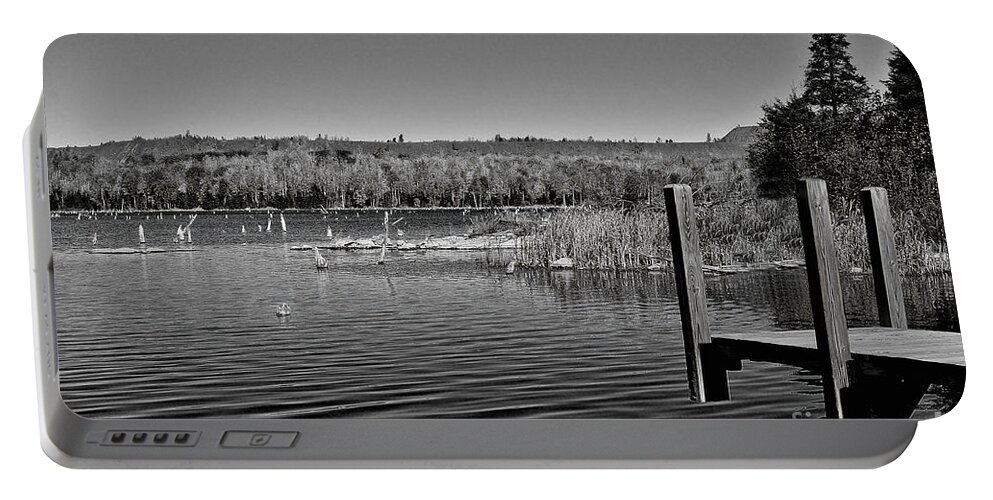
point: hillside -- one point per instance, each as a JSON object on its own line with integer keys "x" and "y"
{"x": 741, "y": 135}
{"x": 192, "y": 146}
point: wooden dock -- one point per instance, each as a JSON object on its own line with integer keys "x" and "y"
{"x": 938, "y": 352}
{"x": 889, "y": 371}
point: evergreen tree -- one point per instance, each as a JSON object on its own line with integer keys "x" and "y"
{"x": 903, "y": 87}
{"x": 906, "y": 145}
{"x": 824, "y": 132}
{"x": 783, "y": 149}
{"x": 831, "y": 80}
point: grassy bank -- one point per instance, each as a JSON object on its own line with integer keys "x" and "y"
{"x": 731, "y": 233}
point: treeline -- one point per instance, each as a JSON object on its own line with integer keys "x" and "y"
{"x": 189, "y": 172}
{"x": 839, "y": 129}
{"x": 293, "y": 175}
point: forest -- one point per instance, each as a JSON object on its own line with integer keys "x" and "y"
{"x": 189, "y": 171}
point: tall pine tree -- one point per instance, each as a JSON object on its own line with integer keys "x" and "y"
{"x": 903, "y": 87}
{"x": 831, "y": 80}
{"x": 906, "y": 145}
{"x": 823, "y": 132}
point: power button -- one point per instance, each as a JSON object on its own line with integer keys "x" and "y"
{"x": 261, "y": 439}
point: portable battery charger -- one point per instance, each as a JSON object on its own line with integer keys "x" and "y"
{"x": 454, "y": 251}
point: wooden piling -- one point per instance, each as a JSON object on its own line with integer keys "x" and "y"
{"x": 705, "y": 374}
{"x": 882, "y": 252}
{"x": 827, "y": 303}
{"x": 386, "y": 236}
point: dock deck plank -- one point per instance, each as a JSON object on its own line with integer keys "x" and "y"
{"x": 924, "y": 346}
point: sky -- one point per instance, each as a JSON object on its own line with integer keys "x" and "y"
{"x": 373, "y": 87}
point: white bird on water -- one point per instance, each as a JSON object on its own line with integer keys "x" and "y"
{"x": 242, "y": 229}
{"x": 330, "y": 234}
{"x": 283, "y": 310}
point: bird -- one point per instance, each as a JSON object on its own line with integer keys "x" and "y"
{"x": 511, "y": 267}
{"x": 283, "y": 310}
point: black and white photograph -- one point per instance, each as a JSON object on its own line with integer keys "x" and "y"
{"x": 497, "y": 226}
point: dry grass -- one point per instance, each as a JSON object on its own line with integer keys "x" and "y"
{"x": 731, "y": 233}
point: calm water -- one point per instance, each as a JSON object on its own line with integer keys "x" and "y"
{"x": 430, "y": 334}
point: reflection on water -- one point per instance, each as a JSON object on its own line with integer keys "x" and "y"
{"x": 430, "y": 334}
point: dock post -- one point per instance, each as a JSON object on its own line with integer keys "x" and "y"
{"x": 827, "y": 303}
{"x": 705, "y": 373}
{"x": 882, "y": 251}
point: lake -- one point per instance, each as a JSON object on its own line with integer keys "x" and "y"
{"x": 428, "y": 334}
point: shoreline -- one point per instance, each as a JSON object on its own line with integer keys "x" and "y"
{"x": 500, "y": 243}
{"x": 506, "y": 242}
{"x": 73, "y": 212}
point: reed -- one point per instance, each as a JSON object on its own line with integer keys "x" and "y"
{"x": 597, "y": 239}
{"x": 733, "y": 232}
